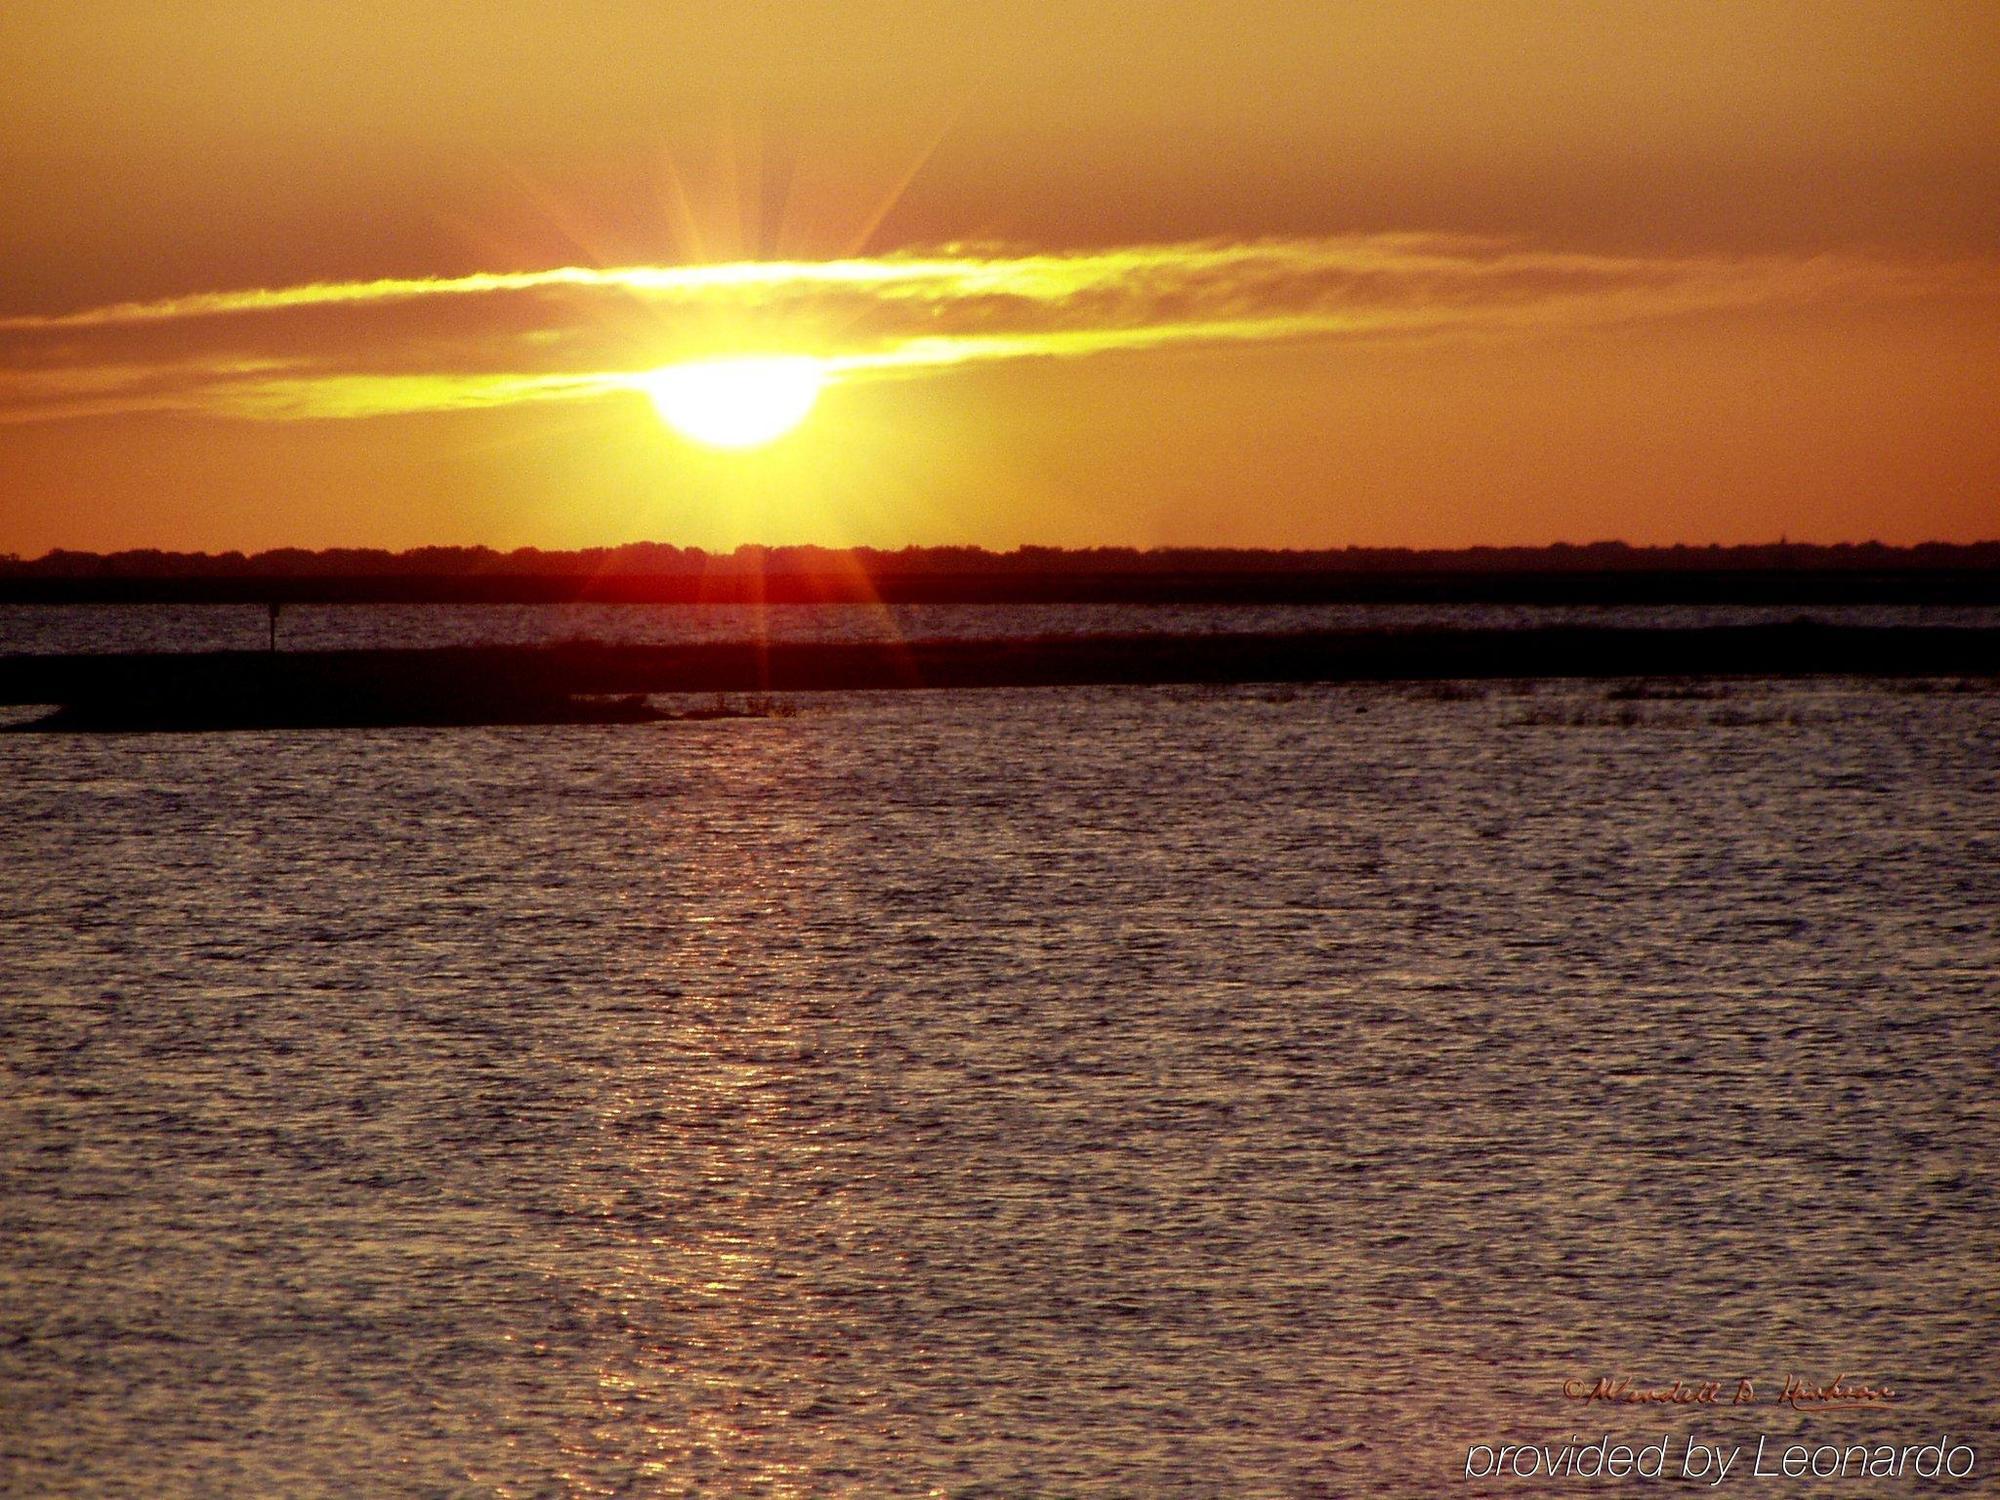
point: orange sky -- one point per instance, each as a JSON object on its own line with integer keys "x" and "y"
{"x": 1259, "y": 273}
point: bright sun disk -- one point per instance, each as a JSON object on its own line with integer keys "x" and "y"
{"x": 736, "y": 403}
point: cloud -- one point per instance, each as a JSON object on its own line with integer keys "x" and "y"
{"x": 374, "y": 348}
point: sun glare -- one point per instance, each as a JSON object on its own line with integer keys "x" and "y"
{"x": 736, "y": 403}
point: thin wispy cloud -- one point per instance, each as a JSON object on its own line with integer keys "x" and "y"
{"x": 384, "y": 347}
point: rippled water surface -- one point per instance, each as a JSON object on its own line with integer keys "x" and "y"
{"x": 1089, "y": 1092}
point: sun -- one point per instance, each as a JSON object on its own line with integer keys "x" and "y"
{"x": 736, "y": 403}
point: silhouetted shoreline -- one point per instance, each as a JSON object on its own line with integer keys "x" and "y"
{"x": 649, "y": 572}
{"x": 572, "y": 682}
{"x": 1754, "y": 587}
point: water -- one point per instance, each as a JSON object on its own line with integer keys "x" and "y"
{"x": 43, "y": 628}
{"x": 1111, "y": 1092}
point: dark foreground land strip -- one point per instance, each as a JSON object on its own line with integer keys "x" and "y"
{"x": 1307, "y": 584}
{"x": 515, "y": 684}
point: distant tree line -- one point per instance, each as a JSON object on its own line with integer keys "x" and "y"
{"x": 660, "y": 560}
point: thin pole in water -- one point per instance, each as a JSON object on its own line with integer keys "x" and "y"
{"x": 273, "y": 608}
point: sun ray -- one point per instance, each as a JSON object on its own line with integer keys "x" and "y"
{"x": 859, "y": 243}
